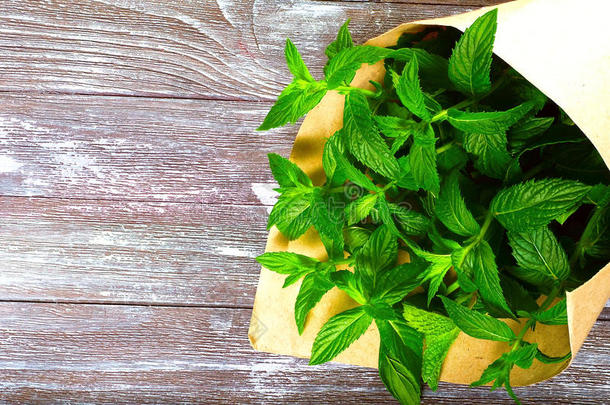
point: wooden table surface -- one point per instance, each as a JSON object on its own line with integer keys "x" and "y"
{"x": 134, "y": 194}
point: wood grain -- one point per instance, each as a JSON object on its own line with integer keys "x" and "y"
{"x": 122, "y": 354}
{"x": 72, "y": 250}
{"x": 224, "y": 49}
{"x": 136, "y": 148}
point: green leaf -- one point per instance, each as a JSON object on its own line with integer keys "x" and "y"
{"x": 296, "y": 100}
{"x": 400, "y": 361}
{"x": 363, "y": 140}
{"x": 288, "y": 263}
{"x": 395, "y": 127}
{"x": 535, "y": 203}
{"x": 499, "y": 370}
{"x": 451, "y": 209}
{"x": 432, "y": 68}
{"x": 327, "y": 218}
{"x": 470, "y": 62}
{"x": 312, "y": 289}
{"x": 338, "y": 333}
{"x": 343, "y": 66}
{"x": 409, "y": 91}
{"x": 359, "y": 209}
{"x": 439, "y": 332}
{"x": 333, "y": 151}
{"x": 381, "y": 311}
{"x": 292, "y": 212}
{"x": 350, "y": 172}
{"x": 295, "y": 62}
{"x": 422, "y": 159}
{"x": 556, "y": 315}
{"x": 394, "y": 284}
{"x": 493, "y": 158}
{"x": 378, "y": 253}
{"x": 343, "y": 41}
{"x": 287, "y": 173}
{"x": 436, "y": 272}
{"x": 487, "y": 122}
{"x": 477, "y": 324}
{"x": 411, "y": 222}
{"x": 482, "y": 262}
{"x": 539, "y": 251}
{"x": 348, "y": 282}
{"x": 405, "y": 178}
{"x": 356, "y": 237}
{"x": 528, "y": 128}
{"x": 543, "y": 358}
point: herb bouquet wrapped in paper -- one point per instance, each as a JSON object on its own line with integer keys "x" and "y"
{"x": 444, "y": 205}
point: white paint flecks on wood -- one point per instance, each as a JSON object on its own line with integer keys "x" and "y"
{"x": 196, "y": 151}
{"x": 103, "y": 354}
{"x": 130, "y": 252}
{"x": 221, "y": 50}
{"x": 8, "y": 164}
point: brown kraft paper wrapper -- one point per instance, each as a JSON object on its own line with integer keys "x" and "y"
{"x": 560, "y": 46}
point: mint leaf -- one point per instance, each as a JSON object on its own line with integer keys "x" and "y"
{"x": 312, "y": 289}
{"x": 481, "y": 261}
{"x": 435, "y": 273}
{"x": 432, "y": 68}
{"x": 492, "y": 157}
{"x": 378, "y": 253}
{"x": 409, "y": 91}
{"x": 439, "y": 333}
{"x": 359, "y": 209}
{"x": 332, "y": 153}
{"x": 539, "y": 251}
{"x": 422, "y": 160}
{"x": 356, "y": 237}
{"x": 286, "y": 173}
{"x": 350, "y": 283}
{"x": 288, "y": 263}
{"x": 296, "y": 100}
{"x": 470, "y": 62}
{"x": 556, "y": 315}
{"x": 451, "y": 209}
{"x": 343, "y": 41}
{"x": 499, "y": 370}
{"x": 362, "y": 138}
{"x": 292, "y": 212}
{"x": 326, "y": 218}
{"x": 535, "y": 203}
{"x": 410, "y": 221}
{"x": 476, "y": 324}
{"x": 543, "y": 358}
{"x": 295, "y": 63}
{"x": 488, "y": 123}
{"x": 394, "y": 127}
{"x": 338, "y": 333}
{"x": 394, "y": 284}
{"x": 343, "y": 66}
{"x": 528, "y": 128}
{"x": 405, "y": 178}
{"x": 400, "y": 360}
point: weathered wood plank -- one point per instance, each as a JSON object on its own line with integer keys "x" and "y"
{"x": 136, "y": 148}
{"x": 129, "y": 252}
{"x": 472, "y": 3}
{"x": 224, "y": 49}
{"x": 122, "y": 354}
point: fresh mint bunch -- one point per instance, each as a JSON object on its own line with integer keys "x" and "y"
{"x": 499, "y": 199}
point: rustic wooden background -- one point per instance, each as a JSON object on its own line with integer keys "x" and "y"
{"x": 134, "y": 194}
